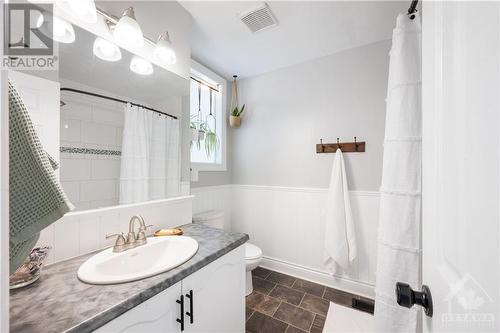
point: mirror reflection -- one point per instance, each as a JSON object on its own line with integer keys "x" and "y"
{"x": 119, "y": 125}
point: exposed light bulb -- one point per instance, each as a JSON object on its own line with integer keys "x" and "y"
{"x": 106, "y": 50}
{"x": 62, "y": 31}
{"x": 40, "y": 20}
{"x": 141, "y": 66}
{"x": 84, "y": 10}
{"x": 164, "y": 51}
{"x": 127, "y": 31}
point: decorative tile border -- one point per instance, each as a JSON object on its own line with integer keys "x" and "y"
{"x": 91, "y": 151}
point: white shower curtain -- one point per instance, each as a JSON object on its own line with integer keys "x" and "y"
{"x": 150, "y": 160}
{"x": 399, "y": 248}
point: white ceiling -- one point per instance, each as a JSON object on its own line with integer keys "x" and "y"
{"x": 306, "y": 30}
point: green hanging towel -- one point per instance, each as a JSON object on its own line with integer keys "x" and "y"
{"x": 36, "y": 199}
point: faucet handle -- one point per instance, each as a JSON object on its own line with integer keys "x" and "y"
{"x": 143, "y": 228}
{"x": 120, "y": 243}
{"x": 118, "y": 236}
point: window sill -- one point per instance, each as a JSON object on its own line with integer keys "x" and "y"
{"x": 208, "y": 167}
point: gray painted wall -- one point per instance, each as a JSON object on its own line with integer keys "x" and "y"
{"x": 289, "y": 110}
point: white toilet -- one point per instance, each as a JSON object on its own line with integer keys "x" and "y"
{"x": 253, "y": 254}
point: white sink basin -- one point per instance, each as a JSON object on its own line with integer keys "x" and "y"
{"x": 160, "y": 254}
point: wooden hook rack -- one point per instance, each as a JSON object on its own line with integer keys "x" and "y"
{"x": 345, "y": 147}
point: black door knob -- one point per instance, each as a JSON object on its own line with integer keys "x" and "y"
{"x": 407, "y": 297}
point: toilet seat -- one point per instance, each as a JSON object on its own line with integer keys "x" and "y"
{"x": 252, "y": 252}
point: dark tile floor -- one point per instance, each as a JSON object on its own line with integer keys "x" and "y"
{"x": 281, "y": 303}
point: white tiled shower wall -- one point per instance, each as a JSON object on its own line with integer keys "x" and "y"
{"x": 91, "y": 180}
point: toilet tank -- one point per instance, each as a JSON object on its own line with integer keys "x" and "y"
{"x": 211, "y": 218}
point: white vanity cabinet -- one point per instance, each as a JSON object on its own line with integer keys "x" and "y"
{"x": 157, "y": 314}
{"x": 218, "y": 295}
{"x": 212, "y": 300}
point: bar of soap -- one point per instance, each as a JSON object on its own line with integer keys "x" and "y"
{"x": 168, "y": 232}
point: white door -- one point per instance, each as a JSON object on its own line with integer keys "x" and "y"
{"x": 157, "y": 314}
{"x": 215, "y": 295}
{"x": 461, "y": 153}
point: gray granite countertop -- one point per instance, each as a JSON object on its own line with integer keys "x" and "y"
{"x": 59, "y": 302}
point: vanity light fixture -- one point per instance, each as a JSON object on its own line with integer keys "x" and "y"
{"x": 163, "y": 49}
{"x": 106, "y": 50}
{"x": 62, "y": 30}
{"x": 84, "y": 10}
{"x": 141, "y": 66}
{"x": 127, "y": 31}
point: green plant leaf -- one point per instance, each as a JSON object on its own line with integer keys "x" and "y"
{"x": 237, "y": 111}
{"x": 211, "y": 143}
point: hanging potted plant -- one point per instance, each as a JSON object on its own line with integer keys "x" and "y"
{"x": 201, "y": 130}
{"x": 194, "y": 132}
{"x": 198, "y": 130}
{"x": 236, "y": 111}
{"x": 235, "y": 117}
{"x": 211, "y": 143}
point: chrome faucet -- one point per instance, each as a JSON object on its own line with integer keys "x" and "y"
{"x": 132, "y": 240}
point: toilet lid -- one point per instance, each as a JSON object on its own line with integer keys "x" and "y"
{"x": 252, "y": 251}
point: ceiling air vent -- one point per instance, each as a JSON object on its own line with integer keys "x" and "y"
{"x": 259, "y": 18}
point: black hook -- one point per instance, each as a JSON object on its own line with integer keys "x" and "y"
{"x": 355, "y": 144}
{"x": 413, "y": 9}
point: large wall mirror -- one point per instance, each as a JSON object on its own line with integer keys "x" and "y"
{"x": 119, "y": 138}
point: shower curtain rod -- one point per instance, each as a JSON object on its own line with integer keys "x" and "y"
{"x": 116, "y": 100}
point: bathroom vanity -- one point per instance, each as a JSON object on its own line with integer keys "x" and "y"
{"x": 210, "y": 300}
{"x": 206, "y": 293}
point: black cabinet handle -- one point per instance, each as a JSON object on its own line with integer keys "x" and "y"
{"x": 181, "y": 320}
{"x": 190, "y": 312}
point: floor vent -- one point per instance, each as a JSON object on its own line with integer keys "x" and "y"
{"x": 363, "y": 305}
{"x": 259, "y": 18}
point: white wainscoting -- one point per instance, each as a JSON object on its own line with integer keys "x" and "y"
{"x": 213, "y": 198}
{"x": 84, "y": 231}
{"x": 286, "y": 224}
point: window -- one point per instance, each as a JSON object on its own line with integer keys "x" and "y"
{"x": 207, "y": 121}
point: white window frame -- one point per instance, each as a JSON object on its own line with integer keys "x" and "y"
{"x": 196, "y": 70}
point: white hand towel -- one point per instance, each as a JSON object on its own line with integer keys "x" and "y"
{"x": 340, "y": 242}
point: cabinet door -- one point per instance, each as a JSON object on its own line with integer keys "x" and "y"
{"x": 157, "y": 314}
{"x": 218, "y": 295}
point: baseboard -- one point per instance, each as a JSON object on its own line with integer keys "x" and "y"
{"x": 313, "y": 275}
